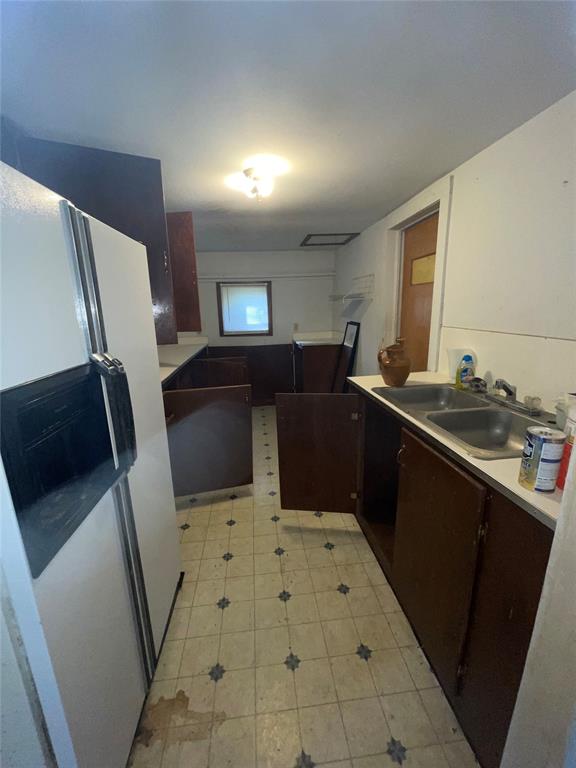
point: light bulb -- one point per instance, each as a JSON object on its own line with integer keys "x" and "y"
{"x": 267, "y": 165}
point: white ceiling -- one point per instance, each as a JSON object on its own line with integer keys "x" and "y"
{"x": 370, "y": 101}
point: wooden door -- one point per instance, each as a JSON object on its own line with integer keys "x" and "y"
{"x": 512, "y": 569}
{"x": 210, "y": 438}
{"x": 319, "y": 450}
{"x": 440, "y": 511}
{"x": 418, "y": 262}
{"x": 184, "y": 272}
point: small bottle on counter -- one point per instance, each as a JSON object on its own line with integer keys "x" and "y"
{"x": 465, "y": 372}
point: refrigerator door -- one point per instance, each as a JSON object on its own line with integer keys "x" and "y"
{"x": 122, "y": 271}
{"x": 86, "y": 607}
{"x": 76, "y": 618}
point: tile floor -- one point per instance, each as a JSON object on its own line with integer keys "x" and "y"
{"x": 287, "y": 647}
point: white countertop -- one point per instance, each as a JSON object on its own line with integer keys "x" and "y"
{"x": 500, "y": 473}
{"x": 318, "y": 337}
{"x": 173, "y": 356}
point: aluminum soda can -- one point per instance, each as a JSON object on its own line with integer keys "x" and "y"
{"x": 541, "y": 458}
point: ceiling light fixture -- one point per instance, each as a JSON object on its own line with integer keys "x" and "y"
{"x": 257, "y": 178}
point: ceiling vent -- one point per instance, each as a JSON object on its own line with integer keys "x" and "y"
{"x": 333, "y": 238}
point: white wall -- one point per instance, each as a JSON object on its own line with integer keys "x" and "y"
{"x": 510, "y": 274}
{"x": 302, "y": 282}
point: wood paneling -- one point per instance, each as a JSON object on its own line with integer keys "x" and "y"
{"x": 319, "y": 450}
{"x": 209, "y": 437}
{"x": 509, "y": 583}
{"x": 315, "y": 366}
{"x": 213, "y": 372}
{"x": 440, "y": 509}
{"x": 416, "y": 302}
{"x": 269, "y": 368}
{"x": 124, "y": 191}
{"x": 184, "y": 272}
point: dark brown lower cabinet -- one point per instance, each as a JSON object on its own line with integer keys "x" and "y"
{"x": 468, "y": 570}
{"x": 509, "y": 583}
{"x": 208, "y": 372}
{"x": 377, "y": 512}
{"x": 438, "y": 530}
{"x": 319, "y": 451}
{"x": 269, "y": 368}
{"x": 315, "y": 366}
{"x": 209, "y": 437}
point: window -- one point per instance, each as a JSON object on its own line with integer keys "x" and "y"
{"x": 245, "y": 309}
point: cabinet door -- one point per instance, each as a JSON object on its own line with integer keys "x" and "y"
{"x": 210, "y": 438}
{"x": 440, "y": 511}
{"x": 315, "y": 367}
{"x": 319, "y": 448}
{"x": 184, "y": 273}
{"x": 512, "y": 568}
{"x": 209, "y": 372}
{"x": 123, "y": 191}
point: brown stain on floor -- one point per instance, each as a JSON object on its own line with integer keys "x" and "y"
{"x": 157, "y": 717}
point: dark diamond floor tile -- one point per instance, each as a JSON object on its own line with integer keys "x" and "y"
{"x": 217, "y": 672}
{"x": 397, "y": 751}
{"x": 292, "y": 661}
{"x": 364, "y": 652}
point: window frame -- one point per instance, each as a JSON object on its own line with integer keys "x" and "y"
{"x": 227, "y": 334}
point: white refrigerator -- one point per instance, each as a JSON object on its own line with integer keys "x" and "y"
{"x": 91, "y": 594}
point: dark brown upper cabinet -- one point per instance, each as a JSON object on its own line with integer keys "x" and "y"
{"x": 124, "y": 191}
{"x": 184, "y": 271}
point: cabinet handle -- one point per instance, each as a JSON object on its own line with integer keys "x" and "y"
{"x": 166, "y": 262}
{"x": 169, "y": 418}
{"x": 399, "y": 454}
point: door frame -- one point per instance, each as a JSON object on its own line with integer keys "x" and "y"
{"x": 435, "y": 199}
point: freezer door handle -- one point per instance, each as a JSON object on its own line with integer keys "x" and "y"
{"x": 116, "y": 381}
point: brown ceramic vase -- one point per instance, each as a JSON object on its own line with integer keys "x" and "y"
{"x": 394, "y": 365}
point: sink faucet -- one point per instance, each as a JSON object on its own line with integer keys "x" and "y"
{"x": 509, "y": 398}
{"x": 508, "y": 389}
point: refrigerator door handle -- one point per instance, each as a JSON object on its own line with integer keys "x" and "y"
{"x": 118, "y": 390}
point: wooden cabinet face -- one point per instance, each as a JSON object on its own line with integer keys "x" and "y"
{"x": 184, "y": 272}
{"x": 319, "y": 450}
{"x": 315, "y": 366}
{"x": 209, "y": 437}
{"x": 440, "y": 510}
{"x": 213, "y": 372}
{"x": 123, "y": 191}
{"x": 510, "y": 577}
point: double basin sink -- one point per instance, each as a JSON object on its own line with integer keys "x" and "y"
{"x": 484, "y": 430}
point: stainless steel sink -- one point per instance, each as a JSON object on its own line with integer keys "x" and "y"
{"x": 432, "y": 397}
{"x": 487, "y": 433}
